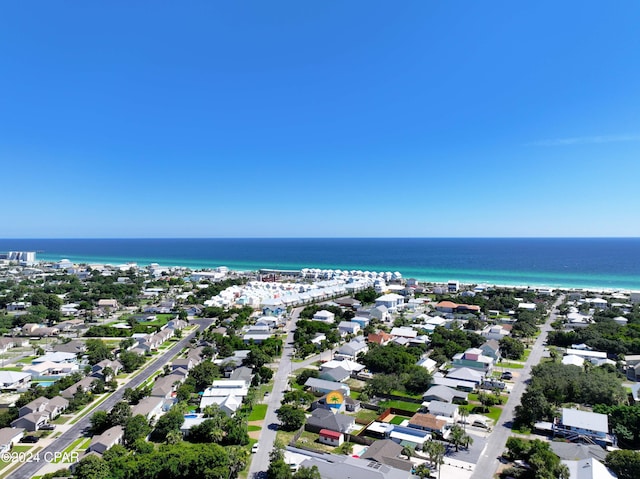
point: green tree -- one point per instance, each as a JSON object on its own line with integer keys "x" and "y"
{"x": 97, "y": 350}
{"x": 136, "y": 427}
{"x": 119, "y": 414}
{"x": 92, "y": 467}
{"x": 291, "y": 417}
{"x": 625, "y": 463}
{"x": 418, "y": 380}
{"x": 511, "y": 348}
{"x": 203, "y": 375}
{"x": 99, "y": 422}
{"x": 307, "y": 473}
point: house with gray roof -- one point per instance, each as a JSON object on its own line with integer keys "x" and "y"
{"x": 32, "y": 421}
{"x": 10, "y": 436}
{"x": 323, "y": 386}
{"x": 389, "y": 452}
{"x": 83, "y": 385}
{"x": 444, "y": 394}
{"x": 325, "y": 419}
{"x": 331, "y": 466}
{"x": 445, "y": 409}
{"x": 14, "y": 380}
{"x": 338, "y": 374}
{"x": 354, "y": 347}
{"x": 104, "y": 441}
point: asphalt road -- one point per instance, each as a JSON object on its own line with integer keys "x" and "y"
{"x": 260, "y": 460}
{"x": 488, "y": 463}
{"x": 29, "y": 469}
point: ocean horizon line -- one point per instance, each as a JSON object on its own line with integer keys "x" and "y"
{"x": 309, "y": 237}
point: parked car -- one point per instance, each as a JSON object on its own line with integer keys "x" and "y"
{"x": 47, "y": 427}
{"x": 506, "y": 375}
{"x": 30, "y": 439}
{"x": 255, "y": 448}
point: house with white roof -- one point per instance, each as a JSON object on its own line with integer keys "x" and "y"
{"x": 393, "y": 302}
{"x": 577, "y": 425}
{"x": 427, "y": 363}
{"x": 14, "y": 380}
{"x": 348, "y": 327}
{"x": 324, "y": 316}
{"x": 227, "y": 394}
{"x": 404, "y": 332}
{"x": 589, "y": 468}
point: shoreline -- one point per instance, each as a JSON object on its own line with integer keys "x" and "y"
{"x": 433, "y": 279}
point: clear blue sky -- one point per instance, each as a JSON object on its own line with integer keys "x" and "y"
{"x": 319, "y": 118}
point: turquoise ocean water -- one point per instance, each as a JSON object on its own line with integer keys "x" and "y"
{"x": 559, "y": 262}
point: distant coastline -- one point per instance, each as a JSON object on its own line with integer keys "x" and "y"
{"x": 585, "y": 263}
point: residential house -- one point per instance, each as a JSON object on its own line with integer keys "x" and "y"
{"x": 429, "y": 423}
{"x": 332, "y": 466}
{"x": 350, "y": 404}
{"x": 108, "y": 303}
{"x": 354, "y": 347}
{"x": 107, "y": 439}
{"x": 388, "y": 452}
{"x": 393, "y": 302}
{"x": 362, "y": 321}
{"x": 495, "y": 332}
{"x": 351, "y": 366}
{"x": 83, "y": 385}
{"x": 451, "y": 307}
{"x": 97, "y": 370}
{"x": 227, "y": 394}
{"x": 56, "y": 357}
{"x": 348, "y": 327}
{"x": 491, "y": 349}
{"x": 460, "y": 384}
{"x": 466, "y": 374}
{"x": 404, "y": 332}
{"x": 331, "y": 438}
{"x": 444, "y": 394}
{"x": 48, "y": 369}
{"x": 338, "y": 374}
{"x": 321, "y": 386}
{"x": 149, "y": 407}
{"x": 75, "y": 347}
{"x": 322, "y": 418}
{"x": 31, "y": 422}
{"x": 444, "y": 409}
{"x": 380, "y": 338}
{"x": 10, "y": 436}
{"x": 474, "y": 359}
{"x": 576, "y": 425}
{"x": 589, "y": 468}
{"x": 324, "y": 316}
{"x": 14, "y": 380}
{"x": 427, "y": 363}
{"x": 381, "y": 313}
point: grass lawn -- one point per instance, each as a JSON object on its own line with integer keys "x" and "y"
{"x": 494, "y": 413}
{"x": 511, "y": 365}
{"x": 60, "y": 420}
{"x": 310, "y": 439}
{"x": 355, "y": 395}
{"x": 397, "y": 420}
{"x": 27, "y": 360}
{"x": 285, "y": 437}
{"x": 406, "y": 394}
{"x": 526, "y": 354}
{"x": 367, "y": 415}
{"x": 16, "y": 369}
{"x": 258, "y": 412}
{"x": 253, "y": 428}
{"x": 407, "y": 406}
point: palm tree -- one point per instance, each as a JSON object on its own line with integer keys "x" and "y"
{"x": 464, "y": 414}
{"x": 457, "y": 436}
{"x": 407, "y": 451}
{"x": 422, "y": 471}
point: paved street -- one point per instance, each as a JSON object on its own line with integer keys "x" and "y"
{"x": 76, "y": 431}
{"x": 260, "y": 460}
{"x": 488, "y": 463}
